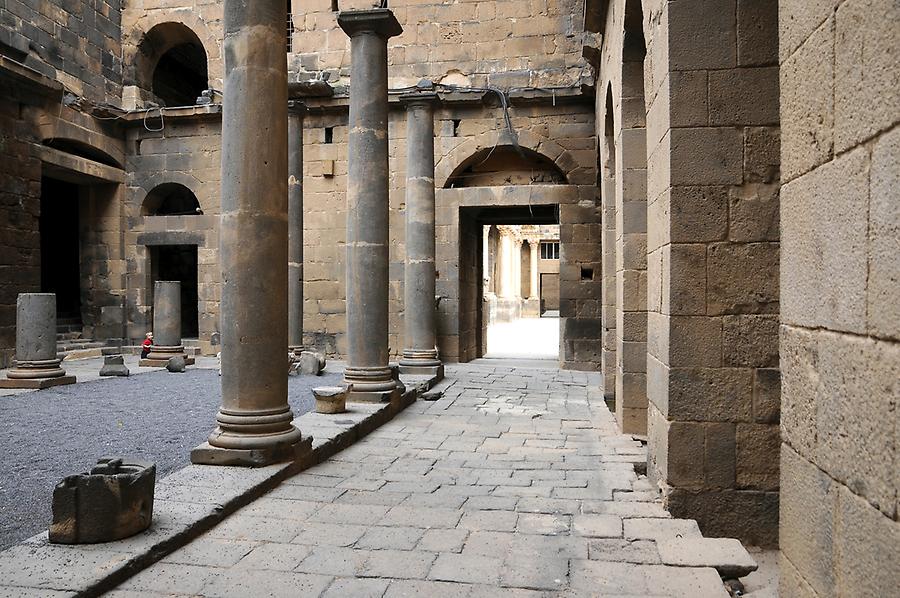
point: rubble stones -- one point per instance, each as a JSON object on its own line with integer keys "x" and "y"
{"x": 176, "y": 364}
{"x": 330, "y": 399}
{"x": 311, "y": 363}
{"x": 114, "y": 365}
{"x": 113, "y": 501}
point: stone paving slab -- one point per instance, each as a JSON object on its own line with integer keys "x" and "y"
{"x": 194, "y": 500}
{"x": 512, "y": 483}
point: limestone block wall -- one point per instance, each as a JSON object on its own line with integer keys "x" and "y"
{"x": 75, "y": 43}
{"x": 708, "y": 309}
{"x": 461, "y": 131}
{"x": 505, "y": 44}
{"x": 840, "y": 283}
{"x": 202, "y": 17}
{"x": 186, "y": 152}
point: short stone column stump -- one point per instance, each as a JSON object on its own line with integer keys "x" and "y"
{"x": 114, "y": 365}
{"x": 112, "y": 501}
{"x": 37, "y": 365}
{"x": 331, "y": 399}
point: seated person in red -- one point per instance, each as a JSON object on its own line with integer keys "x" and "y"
{"x": 145, "y": 346}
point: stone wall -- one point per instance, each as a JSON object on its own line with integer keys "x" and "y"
{"x": 504, "y": 44}
{"x": 75, "y": 43}
{"x": 693, "y": 161}
{"x": 20, "y": 203}
{"x": 840, "y": 282}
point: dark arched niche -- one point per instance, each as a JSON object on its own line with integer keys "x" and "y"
{"x": 172, "y": 64}
{"x": 505, "y": 165}
{"x": 170, "y": 199}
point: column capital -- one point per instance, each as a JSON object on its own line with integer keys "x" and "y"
{"x": 419, "y": 99}
{"x": 297, "y": 107}
{"x": 380, "y": 21}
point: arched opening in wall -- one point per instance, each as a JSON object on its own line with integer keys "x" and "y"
{"x": 504, "y": 165}
{"x": 171, "y": 199}
{"x": 172, "y": 65}
{"x": 631, "y": 238}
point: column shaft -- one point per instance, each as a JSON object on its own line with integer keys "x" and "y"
{"x": 37, "y": 364}
{"x": 420, "y": 354}
{"x": 295, "y": 225}
{"x": 368, "y": 370}
{"x": 255, "y": 419}
{"x": 166, "y": 325}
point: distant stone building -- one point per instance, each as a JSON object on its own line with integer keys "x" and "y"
{"x": 723, "y": 175}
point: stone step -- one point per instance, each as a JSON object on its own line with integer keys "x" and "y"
{"x": 726, "y": 555}
{"x": 78, "y": 344}
{"x": 68, "y": 336}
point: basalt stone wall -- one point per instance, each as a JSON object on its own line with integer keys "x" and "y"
{"x": 692, "y": 162}
{"x": 20, "y": 204}
{"x": 840, "y": 283}
{"x": 75, "y": 43}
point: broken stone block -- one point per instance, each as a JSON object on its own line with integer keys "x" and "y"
{"x": 311, "y": 363}
{"x": 330, "y": 399}
{"x": 114, "y": 365}
{"x": 113, "y": 501}
{"x": 176, "y": 364}
{"x": 726, "y": 555}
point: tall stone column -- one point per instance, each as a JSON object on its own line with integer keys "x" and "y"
{"x": 367, "y": 205}
{"x": 296, "y": 112}
{"x": 166, "y": 325}
{"x": 254, "y": 422}
{"x": 535, "y": 269}
{"x": 420, "y": 356}
{"x": 37, "y": 364}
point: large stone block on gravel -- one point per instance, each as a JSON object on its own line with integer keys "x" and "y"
{"x": 311, "y": 363}
{"x": 726, "y": 555}
{"x": 114, "y": 365}
{"x": 113, "y": 501}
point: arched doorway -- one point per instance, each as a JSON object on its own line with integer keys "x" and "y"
{"x": 171, "y": 64}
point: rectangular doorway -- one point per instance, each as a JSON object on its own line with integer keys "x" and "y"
{"x": 179, "y": 262}
{"x": 550, "y": 292}
{"x": 59, "y": 226}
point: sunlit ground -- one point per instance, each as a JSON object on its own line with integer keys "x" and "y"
{"x": 531, "y": 338}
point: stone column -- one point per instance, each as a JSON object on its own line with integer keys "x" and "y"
{"x": 37, "y": 364}
{"x": 367, "y": 205}
{"x": 166, "y": 325}
{"x": 420, "y": 355}
{"x": 254, "y": 422}
{"x": 535, "y": 269}
{"x": 296, "y": 112}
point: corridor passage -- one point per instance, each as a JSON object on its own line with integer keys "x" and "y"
{"x": 514, "y": 483}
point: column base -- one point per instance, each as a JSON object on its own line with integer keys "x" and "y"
{"x": 147, "y": 362}
{"x": 411, "y": 368}
{"x": 371, "y": 384}
{"x": 207, "y": 454}
{"x": 36, "y": 383}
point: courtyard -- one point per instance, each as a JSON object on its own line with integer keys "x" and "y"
{"x": 152, "y": 415}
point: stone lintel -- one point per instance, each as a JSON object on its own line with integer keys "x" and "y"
{"x": 36, "y": 383}
{"x": 380, "y": 21}
{"x": 206, "y": 454}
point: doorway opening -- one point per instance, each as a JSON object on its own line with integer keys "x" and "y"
{"x": 518, "y": 280}
{"x": 179, "y": 262}
{"x": 61, "y": 248}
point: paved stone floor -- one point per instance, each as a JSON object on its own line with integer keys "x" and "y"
{"x": 515, "y": 483}
{"x": 529, "y": 338}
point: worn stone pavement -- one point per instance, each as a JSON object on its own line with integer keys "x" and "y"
{"x": 515, "y": 483}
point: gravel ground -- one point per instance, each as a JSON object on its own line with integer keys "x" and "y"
{"x": 157, "y": 417}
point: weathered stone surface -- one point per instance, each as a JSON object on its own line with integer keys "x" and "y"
{"x": 113, "y": 501}
{"x": 311, "y": 363}
{"x": 176, "y": 364}
{"x": 725, "y": 555}
{"x": 114, "y": 365}
{"x": 330, "y": 399}
{"x": 37, "y": 365}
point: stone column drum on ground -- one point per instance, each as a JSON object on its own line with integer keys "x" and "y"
{"x": 296, "y": 112}
{"x": 420, "y": 356}
{"x": 254, "y": 422}
{"x": 367, "y": 368}
{"x": 166, "y": 325}
{"x": 37, "y": 363}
